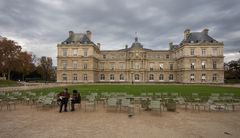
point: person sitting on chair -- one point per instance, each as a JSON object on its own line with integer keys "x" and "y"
{"x": 76, "y": 98}
{"x": 63, "y": 98}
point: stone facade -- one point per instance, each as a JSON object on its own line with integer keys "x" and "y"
{"x": 197, "y": 59}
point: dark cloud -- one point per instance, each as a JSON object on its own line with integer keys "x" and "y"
{"x": 43, "y": 23}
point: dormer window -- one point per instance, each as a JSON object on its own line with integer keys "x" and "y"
{"x": 192, "y": 52}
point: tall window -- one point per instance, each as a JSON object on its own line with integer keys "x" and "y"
{"x": 121, "y": 77}
{"x": 85, "y": 52}
{"x": 64, "y": 64}
{"x": 203, "y": 77}
{"x": 64, "y": 52}
{"x": 102, "y": 77}
{"x": 74, "y": 77}
{"x": 192, "y": 65}
{"x": 121, "y": 66}
{"x": 151, "y": 77}
{"x": 170, "y": 77}
{"x": 192, "y": 77}
{"x": 203, "y": 52}
{"x": 137, "y": 66}
{"x": 203, "y": 64}
{"x": 171, "y": 66}
{"x": 74, "y": 64}
{"x": 167, "y": 56}
{"x": 192, "y": 52}
{"x": 161, "y": 66}
{"x": 214, "y": 64}
{"x": 85, "y": 66}
{"x": 112, "y": 66}
{"x": 101, "y": 65}
{"x": 214, "y": 51}
{"x": 151, "y": 66}
{"x": 132, "y": 64}
{"x": 64, "y": 77}
{"x": 161, "y": 77}
{"x": 136, "y": 76}
{"x": 85, "y": 77}
{"x": 111, "y": 76}
{"x": 74, "y": 52}
{"x": 214, "y": 77}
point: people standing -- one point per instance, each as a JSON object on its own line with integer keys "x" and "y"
{"x": 76, "y": 98}
{"x": 63, "y": 98}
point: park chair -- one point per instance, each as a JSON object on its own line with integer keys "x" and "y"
{"x": 11, "y": 101}
{"x": 150, "y": 94}
{"x": 143, "y": 94}
{"x": 45, "y": 102}
{"x": 165, "y": 95}
{"x": 155, "y": 105}
{"x": 90, "y": 102}
{"x": 1, "y": 104}
{"x": 112, "y": 103}
{"x": 126, "y": 103}
{"x": 182, "y": 101}
{"x": 157, "y": 95}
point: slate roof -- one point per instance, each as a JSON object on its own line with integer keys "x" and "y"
{"x": 197, "y": 37}
{"x": 135, "y": 44}
{"x": 78, "y": 38}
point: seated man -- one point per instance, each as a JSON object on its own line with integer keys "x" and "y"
{"x": 63, "y": 98}
{"x": 76, "y": 98}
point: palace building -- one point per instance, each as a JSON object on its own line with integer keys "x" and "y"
{"x": 198, "y": 58}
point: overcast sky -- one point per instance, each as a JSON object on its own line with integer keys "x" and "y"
{"x": 39, "y": 25}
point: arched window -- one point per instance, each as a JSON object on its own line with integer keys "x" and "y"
{"x": 121, "y": 77}
{"x": 111, "y": 76}
{"x": 161, "y": 77}
{"x": 151, "y": 77}
{"x": 102, "y": 77}
{"x": 136, "y": 77}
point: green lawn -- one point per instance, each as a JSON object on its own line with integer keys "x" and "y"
{"x": 184, "y": 90}
{"x": 7, "y": 83}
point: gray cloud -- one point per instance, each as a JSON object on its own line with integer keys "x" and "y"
{"x": 40, "y": 24}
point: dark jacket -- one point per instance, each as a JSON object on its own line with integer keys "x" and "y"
{"x": 64, "y": 95}
{"x": 76, "y": 97}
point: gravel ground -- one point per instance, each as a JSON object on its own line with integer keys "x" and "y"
{"x": 28, "y": 122}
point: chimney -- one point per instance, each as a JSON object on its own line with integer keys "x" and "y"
{"x": 71, "y": 33}
{"x": 205, "y": 31}
{"x": 186, "y": 33}
{"x": 89, "y": 34}
{"x": 171, "y": 45}
{"x": 98, "y": 45}
{"x": 126, "y": 46}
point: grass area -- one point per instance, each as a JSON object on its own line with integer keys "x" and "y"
{"x": 184, "y": 90}
{"x": 7, "y": 83}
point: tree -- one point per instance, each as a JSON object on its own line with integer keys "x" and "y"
{"x": 9, "y": 53}
{"x": 234, "y": 67}
{"x": 26, "y": 63}
{"x": 45, "y": 67}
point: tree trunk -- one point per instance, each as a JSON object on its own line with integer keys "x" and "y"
{"x": 23, "y": 75}
{"x": 9, "y": 74}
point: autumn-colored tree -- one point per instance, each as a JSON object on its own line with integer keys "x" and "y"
{"x": 26, "y": 65}
{"x": 9, "y": 53}
{"x": 45, "y": 67}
